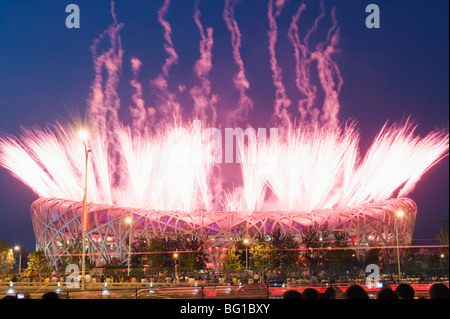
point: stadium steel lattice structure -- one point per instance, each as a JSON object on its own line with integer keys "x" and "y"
{"x": 56, "y": 221}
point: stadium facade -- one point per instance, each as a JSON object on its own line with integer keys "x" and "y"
{"x": 56, "y": 221}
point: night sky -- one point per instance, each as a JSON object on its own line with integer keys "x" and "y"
{"x": 389, "y": 73}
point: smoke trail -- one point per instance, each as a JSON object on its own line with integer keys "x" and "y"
{"x": 104, "y": 104}
{"x": 329, "y": 74}
{"x": 282, "y": 102}
{"x": 173, "y": 57}
{"x": 308, "y": 113}
{"x": 204, "y": 103}
{"x": 301, "y": 70}
{"x": 316, "y": 22}
{"x": 138, "y": 112}
{"x": 279, "y": 4}
{"x": 245, "y": 104}
{"x": 169, "y": 107}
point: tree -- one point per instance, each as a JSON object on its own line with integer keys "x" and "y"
{"x": 156, "y": 259}
{"x": 38, "y": 262}
{"x": 262, "y": 257}
{"x": 191, "y": 247}
{"x": 314, "y": 239}
{"x": 73, "y": 251}
{"x": 442, "y": 238}
{"x": 194, "y": 259}
{"x": 340, "y": 257}
{"x": 286, "y": 247}
{"x": 140, "y": 245}
{"x": 6, "y": 258}
{"x": 232, "y": 261}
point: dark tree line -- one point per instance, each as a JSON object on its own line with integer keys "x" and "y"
{"x": 185, "y": 251}
{"x": 318, "y": 250}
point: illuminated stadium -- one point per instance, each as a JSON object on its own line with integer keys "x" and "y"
{"x": 168, "y": 170}
{"x": 56, "y": 221}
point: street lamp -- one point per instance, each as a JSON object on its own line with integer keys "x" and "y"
{"x": 399, "y": 214}
{"x": 83, "y": 135}
{"x": 246, "y": 241}
{"x": 129, "y": 221}
{"x": 175, "y": 255}
{"x": 17, "y": 248}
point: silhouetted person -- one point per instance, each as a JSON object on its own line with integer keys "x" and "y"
{"x": 310, "y": 293}
{"x": 50, "y": 295}
{"x": 356, "y": 292}
{"x": 330, "y": 293}
{"x": 405, "y": 291}
{"x": 292, "y": 294}
{"x": 438, "y": 291}
{"x": 387, "y": 293}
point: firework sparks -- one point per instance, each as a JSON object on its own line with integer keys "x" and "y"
{"x": 315, "y": 164}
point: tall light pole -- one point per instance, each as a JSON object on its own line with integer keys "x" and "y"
{"x": 246, "y": 241}
{"x": 84, "y": 136}
{"x": 399, "y": 214}
{"x": 129, "y": 221}
{"x": 175, "y": 255}
{"x": 17, "y": 248}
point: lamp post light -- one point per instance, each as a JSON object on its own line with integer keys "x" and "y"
{"x": 399, "y": 214}
{"x": 129, "y": 221}
{"x": 175, "y": 255}
{"x": 83, "y": 134}
{"x": 17, "y": 248}
{"x": 246, "y": 241}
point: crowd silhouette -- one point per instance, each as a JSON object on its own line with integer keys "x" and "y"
{"x": 402, "y": 291}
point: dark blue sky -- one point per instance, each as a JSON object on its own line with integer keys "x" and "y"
{"x": 389, "y": 73}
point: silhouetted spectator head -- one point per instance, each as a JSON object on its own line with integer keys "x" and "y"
{"x": 405, "y": 291}
{"x": 330, "y": 293}
{"x": 292, "y": 294}
{"x": 387, "y": 293}
{"x": 50, "y": 295}
{"x": 310, "y": 293}
{"x": 356, "y": 292}
{"x": 438, "y": 291}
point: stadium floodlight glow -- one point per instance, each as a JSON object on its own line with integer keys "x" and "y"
{"x": 246, "y": 241}
{"x": 129, "y": 221}
{"x": 400, "y": 213}
{"x": 17, "y": 248}
{"x": 83, "y": 135}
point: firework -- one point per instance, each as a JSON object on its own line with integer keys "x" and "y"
{"x": 164, "y": 162}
